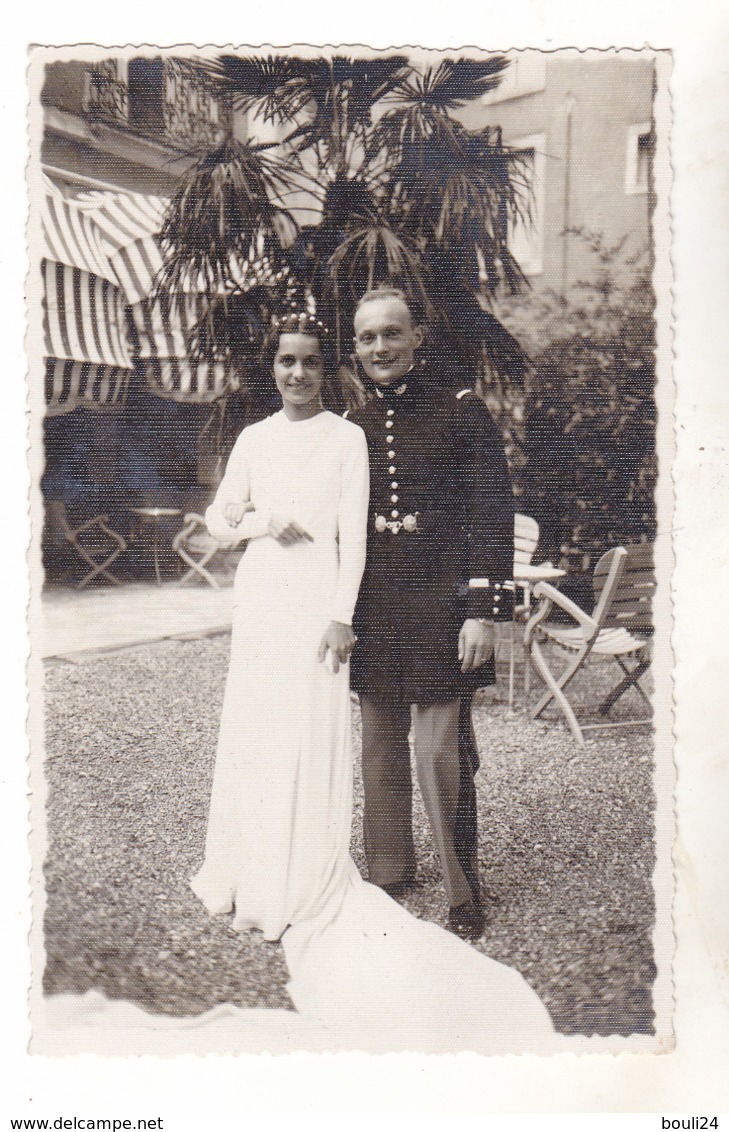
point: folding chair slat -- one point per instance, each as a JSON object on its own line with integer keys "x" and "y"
{"x": 526, "y": 537}
{"x": 623, "y": 586}
{"x": 197, "y": 549}
{"x": 94, "y": 541}
{"x": 619, "y": 645}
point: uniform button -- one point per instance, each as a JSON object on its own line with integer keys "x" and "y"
{"x": 394, "y": 484}
{"x": 391, "y": 454}
{"x": 391, "y": 469}
{"x": 391, "y": 412}
{"x": 390, "y": 438}
{"x": 394, "y": 498}
{"x": 394, "y": 514}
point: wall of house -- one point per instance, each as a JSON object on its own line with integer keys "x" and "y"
{"x": 581, "y": 122}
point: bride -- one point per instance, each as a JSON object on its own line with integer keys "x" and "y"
{"x": 277, "y": 850}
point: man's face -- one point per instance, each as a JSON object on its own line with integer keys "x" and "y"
{"x": 385, "y": 339}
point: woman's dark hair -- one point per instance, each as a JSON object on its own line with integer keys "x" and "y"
{"x": 309, "y": 325}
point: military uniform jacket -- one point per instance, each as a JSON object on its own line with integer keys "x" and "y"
{"x": 436, "y": 461}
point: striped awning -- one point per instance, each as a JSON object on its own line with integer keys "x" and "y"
{"x": 88, "y": 353}
{"x": 162, "y": 329}
{"x": 194, "y": 382}
{"x": 84, "y": 317}
{"x": 72, "y": 385}
{"x": 128, "y": 225}
{"x": 71, "y": 237}
{"x": 102, "y": 259}
{"x": 124, "y": 217}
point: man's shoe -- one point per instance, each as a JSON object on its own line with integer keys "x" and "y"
{"x": 467, "y": 921}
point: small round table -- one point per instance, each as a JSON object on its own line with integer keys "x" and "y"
{"x": 154, "y": 515}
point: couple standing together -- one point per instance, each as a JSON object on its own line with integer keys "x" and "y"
{"x": 386, "y": 538}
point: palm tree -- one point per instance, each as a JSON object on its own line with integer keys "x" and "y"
{"x": 397, "y": 190}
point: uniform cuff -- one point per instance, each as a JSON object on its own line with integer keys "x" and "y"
{"x": 492, "y": 601}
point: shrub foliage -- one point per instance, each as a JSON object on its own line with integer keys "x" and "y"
{"x": 587, "y": 465}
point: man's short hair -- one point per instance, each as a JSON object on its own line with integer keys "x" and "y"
{"x": 385, "y": 291}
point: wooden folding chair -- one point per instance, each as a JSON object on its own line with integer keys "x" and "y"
{"x": 94, "y": 541}
{"x": 197, "y": 548}
{"x": 526, "y": 537}
{"x": 619, "y": 626}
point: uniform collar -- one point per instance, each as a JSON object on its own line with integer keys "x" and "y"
{"x": 411, "y": 383}
{"x": 387, "y": 392}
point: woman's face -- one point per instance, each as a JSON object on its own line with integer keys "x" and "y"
{"x": 298, "y": 370}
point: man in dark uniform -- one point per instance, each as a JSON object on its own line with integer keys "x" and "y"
{"x": 440, "y": 548}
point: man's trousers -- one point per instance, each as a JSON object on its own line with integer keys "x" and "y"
{"x": 445, "y": 765}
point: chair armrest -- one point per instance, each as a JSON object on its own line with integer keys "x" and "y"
{"x": 539, "y": 614}
{"x": 190, "y": 523}
{"x": 97, "y": 521}
{"x": 102, "y": 524}
{"x": 544, "y": 590}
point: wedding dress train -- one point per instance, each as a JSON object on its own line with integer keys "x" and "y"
{"x": 277, "y": 849}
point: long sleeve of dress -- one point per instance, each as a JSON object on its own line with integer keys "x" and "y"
{"x": 235, "y": 488}
{"x": 352, "y": 523}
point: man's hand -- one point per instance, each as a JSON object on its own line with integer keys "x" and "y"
{"x": 287, "y": 531}
{"x": 234, "y": 512}
{"x": 476, "y": 643}
{"x": 339, "y": 640}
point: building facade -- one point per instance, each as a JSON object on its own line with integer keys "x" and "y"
{"x": 584, "y": 123}
{"x": 128, "y": 124}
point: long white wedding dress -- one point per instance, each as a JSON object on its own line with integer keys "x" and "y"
{"x": 277, "y": 850}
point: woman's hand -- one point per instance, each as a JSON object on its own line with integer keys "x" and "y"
{"x": 234, "y": 512}
{"x": 287, "y": 531}
{"x": 339, "y": 640}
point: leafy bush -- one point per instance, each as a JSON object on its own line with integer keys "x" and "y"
{"x": 587, "y": 465}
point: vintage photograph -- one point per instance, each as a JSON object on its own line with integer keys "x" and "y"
{"x": 351, "y": 715}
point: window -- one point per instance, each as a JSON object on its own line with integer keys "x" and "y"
{"x": 638, "y": 158}
{"x": 526, "y": 237}
{"x": 146, "y": 94}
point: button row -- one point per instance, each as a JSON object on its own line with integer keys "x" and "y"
{"x": 390, "y": 437}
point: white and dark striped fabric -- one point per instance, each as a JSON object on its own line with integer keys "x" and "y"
{"x": 84, "y": 317}
{"x": 102, "y": 259}
{"x": 162, "y": 328}
{"x": 71, "y": 237}
{"x": 196, "y": 382}
{"x": 72, "y": 385}
{"x": 128, "y": 224}
{"x": 88, "y": 352}
{"x": 123, "y": 217}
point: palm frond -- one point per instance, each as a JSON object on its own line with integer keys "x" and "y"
{"x": 372, "y": 254}
{"x": 461, "y": 191}
{"x": 400, "y": 191}
{"x": 223, "y": 212}
{"x": 448, "y": 86}
{"x": 371, "y": 80}
{"x": 278, "y": 86}
{"x": 232, "y": 326}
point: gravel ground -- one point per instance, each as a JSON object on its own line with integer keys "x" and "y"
{"x": 566, "y": 846}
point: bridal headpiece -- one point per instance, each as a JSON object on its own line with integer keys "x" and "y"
{"x": 298, "y": 322}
